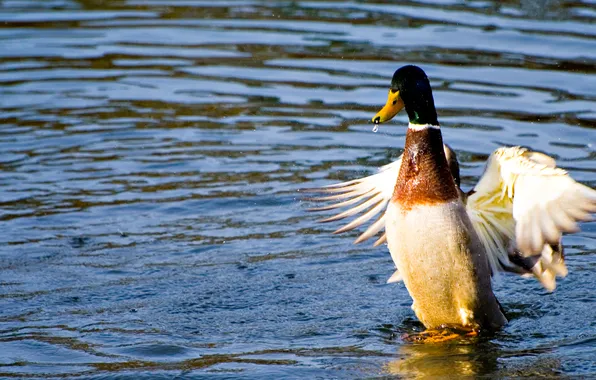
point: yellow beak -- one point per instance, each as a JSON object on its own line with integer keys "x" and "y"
{"x": 392, "y": 107}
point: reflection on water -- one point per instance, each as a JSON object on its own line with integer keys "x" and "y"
{"x": 151, "y": 157}
{"x": 469, "y": 359}
{"x": 443, "y": 360}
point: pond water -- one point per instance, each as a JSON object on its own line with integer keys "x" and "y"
{"x": 152, "y": 153}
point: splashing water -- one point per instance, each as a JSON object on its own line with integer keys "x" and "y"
{"x": 375, "y": 128}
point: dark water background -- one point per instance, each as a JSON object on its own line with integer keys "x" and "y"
{"x": 151, "y": 153}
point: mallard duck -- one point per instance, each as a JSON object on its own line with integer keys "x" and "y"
{"x": 447, "y": 244}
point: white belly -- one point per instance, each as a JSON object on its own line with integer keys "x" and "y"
{"x": 432, "y": 248}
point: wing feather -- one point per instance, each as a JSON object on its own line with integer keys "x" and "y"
{"x": 354, "y": 210}
{"x": 369, "y": 196}
{"x": 372, "y": 230}
{"x": 521, "y": 207}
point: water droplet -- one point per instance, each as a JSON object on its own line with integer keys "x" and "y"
{"x": 376, "y": 128}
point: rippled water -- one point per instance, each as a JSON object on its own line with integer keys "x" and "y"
{"x": 151, "y": 157}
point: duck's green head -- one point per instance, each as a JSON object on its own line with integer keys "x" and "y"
{"x": 410, "y": 88}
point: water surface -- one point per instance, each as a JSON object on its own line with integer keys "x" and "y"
{"x": 151, "y": 157}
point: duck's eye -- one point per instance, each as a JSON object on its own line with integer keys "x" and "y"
{"x": 395, "y": 102}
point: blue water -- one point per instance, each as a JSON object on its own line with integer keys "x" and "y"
{"x": 152, "y": 153}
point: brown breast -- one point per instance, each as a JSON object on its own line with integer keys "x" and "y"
{"x": 424, "y": 176}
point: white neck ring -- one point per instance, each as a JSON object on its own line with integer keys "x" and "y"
{"x": 422, "y": 127}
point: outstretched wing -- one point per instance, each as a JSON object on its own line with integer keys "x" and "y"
{"x": 520, "y": 208}
{"x": 373, "y": 193}
{"x": 368, "y": 196}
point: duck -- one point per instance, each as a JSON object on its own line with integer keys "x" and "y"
{"x": 448, "y": 245}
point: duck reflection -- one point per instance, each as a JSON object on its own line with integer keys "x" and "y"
{"x": 448, "y": 360}
{"x": 471, "y": 358}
